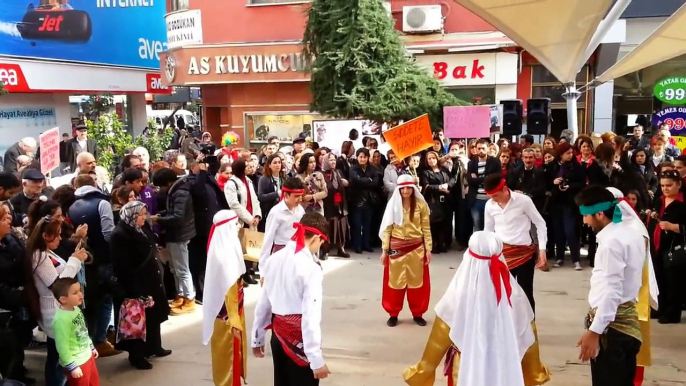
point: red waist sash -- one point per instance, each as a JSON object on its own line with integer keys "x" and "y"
{"x": 288, "y": 330}
{"x": 400, "y": 247}
{"x": 516, "y": 255}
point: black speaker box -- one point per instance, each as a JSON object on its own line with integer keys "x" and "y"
{"x": 512, "y": 117}
{"x": 537, "y": 116}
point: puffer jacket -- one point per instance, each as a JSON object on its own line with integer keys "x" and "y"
{"x": 179, "y": 219}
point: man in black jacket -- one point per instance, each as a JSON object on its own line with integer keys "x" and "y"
{"x": 179, "y": 223}
{"x": 528, "y": 179}
{"x": 477, "y": 170}
{"x": 208, "y": 199}
{"x": 79, "y": 144}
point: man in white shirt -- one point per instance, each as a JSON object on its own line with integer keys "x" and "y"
{"x": 278, "y": 230}
{"x": 615, "y": 284}
{"x": 291, "y": 306}
{"x": 510, "y": 215}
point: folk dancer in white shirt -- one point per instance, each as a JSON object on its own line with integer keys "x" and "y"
{"x": 510, "y": 215}
{"x": 647, "y": 296}
{"x": 223, "y": 311}
{"x": 291, "y": 306}
{"x": 406, "y": 242}
{"x": 483, "y": 325}
{"x": 278, "y": 230}
{"x": 614, "y": 335}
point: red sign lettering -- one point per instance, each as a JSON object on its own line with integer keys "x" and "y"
{"x": 155, "y": 86}
{"x": 476, "y": 71}
{"x": 51, "y": 23}
{"x": 12, "y": 78}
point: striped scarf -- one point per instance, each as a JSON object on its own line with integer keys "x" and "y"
{"x": 626, "y": 320}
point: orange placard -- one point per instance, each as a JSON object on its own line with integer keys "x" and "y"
{"x": 410, "y": 137}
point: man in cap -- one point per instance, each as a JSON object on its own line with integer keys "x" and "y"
{"x": 32, "y": 184}
{"x": 79, "y": 144}
{"x": 298, "y": 145}
{"x": 614, "y": 334}
{"x": 484, "y": 326}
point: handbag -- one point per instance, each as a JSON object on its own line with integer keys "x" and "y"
{"x": 132, "y": 323}
{"x": 436, "y": 210}
{"x": 676, "y": 255}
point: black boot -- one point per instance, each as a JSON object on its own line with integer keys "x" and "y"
{"x": 140, "y": 363}
{"x": 392, "y": 321}
{"x": 419, "y": 320}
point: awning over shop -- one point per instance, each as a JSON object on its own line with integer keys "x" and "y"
{"x": 457, "y": 42}
{"x": 667, "y": 42}
{"x": 556, "y": 32}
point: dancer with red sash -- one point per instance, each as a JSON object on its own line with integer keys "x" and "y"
{"x": 510, "y": 215}
{"x": 406, "y": 241}
{"x": 483, "y": 325}
{"x": 223, "y": 312}
{"x": 291, "y": 306}
{"x": 279, "y": 227}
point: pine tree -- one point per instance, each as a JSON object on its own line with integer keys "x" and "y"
{"x": 361, "y": 68}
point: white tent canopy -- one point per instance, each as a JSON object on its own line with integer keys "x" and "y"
{"x": 556, "y": 32}
{"x": 667, "y": 42}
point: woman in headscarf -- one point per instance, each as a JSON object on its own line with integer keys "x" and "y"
{"x": 139, "y": 277}
{"x": 406, "y": 252}
{"x": 223, "y": 312}
{"x": 484, "y": 321}
{"x": 336, "y": 206}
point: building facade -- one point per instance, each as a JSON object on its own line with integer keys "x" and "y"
{"x": 48, "y": 57}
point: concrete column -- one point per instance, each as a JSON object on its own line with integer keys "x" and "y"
{"x": 136, "y": 113}
{"x": 602, "y": 108}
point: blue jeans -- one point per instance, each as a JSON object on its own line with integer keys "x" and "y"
{"x": 478, "y": 208}
{"x": 564, "y": 223}
{"x": 104, "y": 320}
{"x": 182, "y": 270}
{"x": 54, "y": 373}
{"x": 361, "y": 227}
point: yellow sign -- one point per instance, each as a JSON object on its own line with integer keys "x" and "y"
{"x": 680, "y": 142}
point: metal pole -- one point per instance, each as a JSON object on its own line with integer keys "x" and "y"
{"x": 571, "y": 96}
{"x": 604, "y": 27}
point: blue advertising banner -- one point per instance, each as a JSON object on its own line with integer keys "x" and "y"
{"x": 675, "y": 117}
{"x": 129, "y": 33}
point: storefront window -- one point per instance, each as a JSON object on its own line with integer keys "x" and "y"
{"x": 476, "y": 95}
{"x": 542, "y": 75}
{"x": 286, "y": 127}
{"x": 545, "y": 85}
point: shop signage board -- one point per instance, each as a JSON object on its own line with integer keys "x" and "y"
{"x": 471, "y": 69}
{"x": 674, "y": 117}
{"x": 246, "y": 64}
{"x": 28, "y": 116}
{"x": 467, "y": 121}
{"x": 128, "y": 33}
{"x": 12, "y": 78}
{"x": 49, "y": 150}
{"x": 184, "y": 28}
{"x": 671, "y": 90}
{"x": 155, "y": 86}
{"x": 410, "y": 137}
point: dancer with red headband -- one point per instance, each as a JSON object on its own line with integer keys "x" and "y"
{"x": 291, "y": 306}
{"x": 483, "y": 324}
{"x": 510, "y": 215}
{"x": 278, "y": 230}
{"x": 406, "y": 241}
{"x": 223, "y": 312}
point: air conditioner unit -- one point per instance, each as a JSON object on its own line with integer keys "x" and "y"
{"x": 422, "y": 18}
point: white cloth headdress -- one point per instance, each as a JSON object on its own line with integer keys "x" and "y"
{"x": 630, "y": 218}
{"x": 224, "y": 266}
{"x": 492, "y": 335}
{"x": 394, "y": 209}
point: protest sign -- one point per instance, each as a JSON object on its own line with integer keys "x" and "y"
{"x": 49, "y": 143}
{"x": 467, "y": 121}
{"x": 252, "y": 244}
{"x": 410, "y": 137}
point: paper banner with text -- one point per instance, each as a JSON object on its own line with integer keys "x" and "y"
{"x": 49, "y": 142}
{"x": 410, "y": 137}
{"x": 467, "y": 121}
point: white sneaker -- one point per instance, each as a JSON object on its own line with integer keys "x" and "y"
{"x": 577, "y": 267}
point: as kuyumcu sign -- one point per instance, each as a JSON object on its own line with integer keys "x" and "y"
{"x": 246, "y": 64}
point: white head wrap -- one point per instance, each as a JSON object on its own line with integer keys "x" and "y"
{"x": 224, "y": 266}
{"x": 631, "y": 219}
{"x": 489, "y": 334}
{"x": 394, "y": 209}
